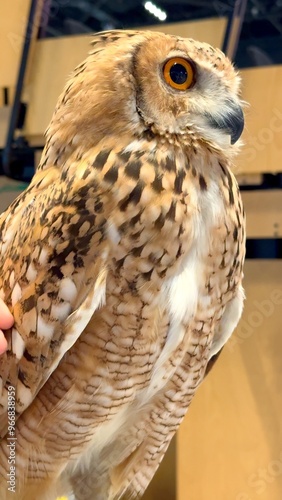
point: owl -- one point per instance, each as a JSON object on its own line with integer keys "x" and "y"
{"x": 122, "y": 265}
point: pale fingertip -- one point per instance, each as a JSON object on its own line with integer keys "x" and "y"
{"x": 3, "y": 343}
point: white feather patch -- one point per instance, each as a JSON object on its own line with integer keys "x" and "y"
{"x": 60, "y": 311}
{"x": 44, "y": 330}
{"x": 12, "y": 279}
{"x": 16, "y": 294}
{"x": 18, "y": 344}
{"x": 8, "y": 236}
{"x": 43, "y": 257}
{"x": 180, "y": 293}
{"x": 31, "y": 272}
{"x": 113, "y": 233}
{"x": 68, "y": 290}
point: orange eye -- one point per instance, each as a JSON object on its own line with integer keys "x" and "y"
{"x": 179, "y": 73}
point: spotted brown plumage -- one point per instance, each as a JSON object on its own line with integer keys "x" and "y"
{"x": 122, "y": 264}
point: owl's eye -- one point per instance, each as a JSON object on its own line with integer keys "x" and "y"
{"x": 179, "y": 73}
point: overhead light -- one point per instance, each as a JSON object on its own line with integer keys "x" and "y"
{"x": 254, "y": 11}
{"x": 155, "y": 11}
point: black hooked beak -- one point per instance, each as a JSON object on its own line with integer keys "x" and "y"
{"x": 232, "y": 122}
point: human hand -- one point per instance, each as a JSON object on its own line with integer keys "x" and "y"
{"x": 6, "y": 321}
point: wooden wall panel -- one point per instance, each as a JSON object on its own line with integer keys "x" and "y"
{"x": 230, "y": 443}
{"x": 54, "y": 59}
{"x": 5, "y": 113}
{"x": 13, "y": 19}
{"x": 261, "y": 88}
{"x": 207, "y": 30}
{"x": 264, "y": 213}
{"x": 13, "y": 25}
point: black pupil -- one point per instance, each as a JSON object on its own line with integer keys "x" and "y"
{"x": 178, "y": 73}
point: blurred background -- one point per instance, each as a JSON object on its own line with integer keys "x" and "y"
{"x": 229, "y": 446}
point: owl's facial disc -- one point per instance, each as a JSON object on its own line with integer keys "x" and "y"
{"x": 231, "y": 122}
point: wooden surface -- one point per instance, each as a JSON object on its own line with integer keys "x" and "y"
{"x": 264, "y": 213}
{"x": 250, "y": 179}
{"x": 54, "y": 59}
{"x": 229, "y": 446}
{"x": 5, "y": 113}
{"x": 13, "y": 19}
{"x": 207, "y": 30}
{"x": 262, "y": 136}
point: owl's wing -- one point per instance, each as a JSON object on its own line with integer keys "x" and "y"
{"x": 212, "y": 362}
{"x": 226, "y": 327}
{"x": 53, "y": 268}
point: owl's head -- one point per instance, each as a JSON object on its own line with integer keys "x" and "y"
{"x": 138, "y": 82}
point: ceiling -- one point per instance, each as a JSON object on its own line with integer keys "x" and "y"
{"x": 261, "y": 37}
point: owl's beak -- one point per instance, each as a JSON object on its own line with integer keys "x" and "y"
{"x": 231, "y": 121}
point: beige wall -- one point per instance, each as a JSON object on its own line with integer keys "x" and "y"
{"x": 262, "y": 151}
{"x": 264, "y": 213}
{"x": 53, "y": 61}
{"x": 13, "y": 19}
{"x": 207, "y": 30}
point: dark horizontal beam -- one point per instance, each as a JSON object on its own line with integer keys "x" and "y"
{"x": 264, "y": 248}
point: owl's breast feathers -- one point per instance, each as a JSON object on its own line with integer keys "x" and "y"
{"x": 141, "y": 216}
